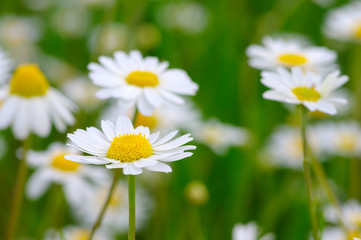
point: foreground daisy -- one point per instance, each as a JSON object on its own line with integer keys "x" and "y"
{"x": 278, "y": 52}
{"x": 309, "y": 89}
{"x": 119, "y": 145}
{"x": 344, "y": 23}
{"x": 249, "y": 231}
{"x": 144, "y": 82}
{"x": 31, "y": 105}
{"x": 75, "y": 179}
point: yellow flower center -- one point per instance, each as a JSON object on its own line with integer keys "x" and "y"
{"x": 352, "y": 235}
{"x": 211, "y": 134}
{"x": 60, "y": 163}
{"x": 356, "y": 219}
{"x": 358, "y": 32}
{"x": 28, "y": 81}
{"x": 291, "y": 60}
{"x": 82, "y": 234}
{"x": 347, "y": 143}
{"x": 147, "y": 121}
{"x": 142, "y": 79}
{"x": 306, "y": 94}
{"x": 130, "y": 148}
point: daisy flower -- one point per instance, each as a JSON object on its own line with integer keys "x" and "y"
{"x": 144, "y": 82}
{"x": 249, "y": 231}
{"x": 309, "y": 89}
{"x": 220, "y": 136}
{"x": 6, "y": 66}
{"x": 278, "y": 52}
{"x": 344, "y": 23}
{"x": 116, "y": 218}
{"x": 51, "y": 167}
{"x": 350, "y": 213}
{"x": 284, "y": 147}
{"x": 119, "y": 145}
{"x": 31, "y": 105}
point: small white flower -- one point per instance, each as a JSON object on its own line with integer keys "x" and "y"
{"x": 309, "y": 89}
{"x": 284, "y": 147}
{"x": 51, "y": 167}
{"x": 116, "y": 218}
{"x": 31, "y": 105}
{"x": 6, "y": 66}
{"x": 344, "y": 23}
{"x": 340, "y": 138}
{"x": 277, "y": 52}
{"x": 350, "y": 213}
{"x": 119, "y": 145}
{"x": 220, "y": 136}
{"x": 144, "y": 82}
{"x": 249, "y": 231}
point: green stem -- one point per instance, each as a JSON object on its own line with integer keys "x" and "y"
{"x": 322, "y": 177}
{"x": 131, "y": 195}
{"x": 307, "y": 174}
{"x": 18, "y": 192}
{"x": 105, "y": 206}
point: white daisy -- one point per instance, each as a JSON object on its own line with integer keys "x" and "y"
{"x": 116, "y": 218}
{"x": 309, "y": 89}
{"x": 350, "y": 212}
{"x": 284, "y": 147}
{"x": 6, "y": 66}
{"x": 277, "y": 52}
{"x": 344, "y": 23}
{"x": 144, "y": 82}
{"x": 31, "y": 105}
{"x": 335, "y": 233}
{"x": 220, "y": 136}
{"x": 249, "y": 231}
{"x": 51, "y": 167}
{"x": 340, "y": 138}
{"x": 119, "y": 145}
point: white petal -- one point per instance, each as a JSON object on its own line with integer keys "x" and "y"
{"x": 108, "y": 129}
{"x": 160, "y": 167}
{"x": 145, "y": 108}
{"x": 153, "y": 137}
{"x": 166, "y": 138}
{"x": 8, "y": 111}
{"x": 177, "y": 157}
{"x": 153, "y": 97}
{"x": 142, "y": 130}
{"x": 87, "y": 159}
{"x": 38, "y": 183}
{"x": 21, "y": 126}
{"x": 130, "y": 169}
{"x": 40, "y": 118}
{"x": 124, "y": 126}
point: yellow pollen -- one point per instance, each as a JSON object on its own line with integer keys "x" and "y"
{"x": 147, "y": 121}
{"x": 60, "y": 163}
{"x": 291, "y": 60}
{"x": 130, "y": 148}
{"x": 358, "y": 32}
{"x": 306, "y": 94}
{"x": 28, "y": 81}
{"x": 142, "y": 79}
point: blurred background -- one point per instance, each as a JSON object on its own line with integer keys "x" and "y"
{"x": 207, "y": 194}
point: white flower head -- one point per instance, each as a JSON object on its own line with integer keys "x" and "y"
{"x": 284, "y": 147}
{"x": 344, "y": 23}
{"x": 144, "y": 82}
{"x": 311, "y": 90}
{"x": 220, "y": 136}
{"x": 119, "y": 145}
{"x": 51, "y": 167}
{"x": 350, "y": 213}
{"x": 116, "y": 218}
{"x": 249, "y": 231}
{"x": 278, "y": 52}
{"x": 6, "y": 66}
{"x": 340, "y": 138}
{"x": 31, "y": 105}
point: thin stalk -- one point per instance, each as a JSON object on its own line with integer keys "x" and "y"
{"x": 105, "y": 206}
{"x": 18, "y": 192}
{"x": 307, "y": 174}
{"x": 322, "y": 178}
{"x": 131, "y": 196}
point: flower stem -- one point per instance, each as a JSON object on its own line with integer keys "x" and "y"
{"x": 307, "y": 174}
{"x": 105, "y": 206}
{"x": 18, "y": 192}
{"x": 131, "y": 194}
